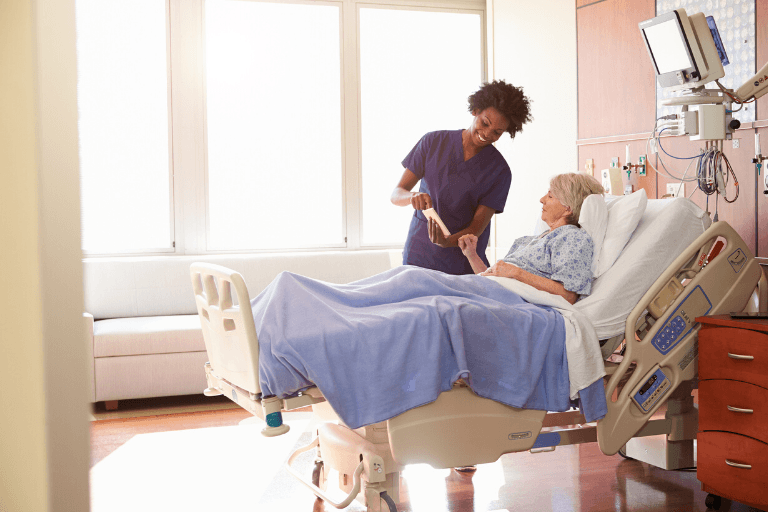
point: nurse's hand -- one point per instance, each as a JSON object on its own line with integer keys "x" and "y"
{"x": 436, "y": 234}
{"x": 468, "y": 245}
{"x": 502, "y": 269}
{"x": 421, "y": 201}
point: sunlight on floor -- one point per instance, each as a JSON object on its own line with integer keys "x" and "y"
{"x": 222, "y": 468}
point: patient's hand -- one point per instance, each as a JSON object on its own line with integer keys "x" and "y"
{"x": 468, "y": 245}
{"x": 502, "y": 269}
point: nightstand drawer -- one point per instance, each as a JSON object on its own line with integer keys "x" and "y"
{"x": 715, "y": 398}
{"x": 719, "y": 452}
{"x": 748, "y": 359}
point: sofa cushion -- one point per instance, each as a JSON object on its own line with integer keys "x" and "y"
{"x": 120, "y": 378}
{"x": 162, "y": 285}
{"x": 147, "y": 335}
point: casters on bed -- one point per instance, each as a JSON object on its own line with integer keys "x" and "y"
{"x": 713, "y": 501}
{"x": 386, "y": 498}
{"x": 212, "y": 392}
{"x": 623, "y": 452}
{"x": 318, "y": 475}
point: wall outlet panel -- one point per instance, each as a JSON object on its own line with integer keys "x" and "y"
{"x": 676, "y": 189}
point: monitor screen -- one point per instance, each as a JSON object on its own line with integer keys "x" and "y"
{"x": 718, "y": 42}
{"x": 668, "y": 47}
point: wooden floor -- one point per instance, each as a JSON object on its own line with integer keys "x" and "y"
{"x": 570, "y": 479}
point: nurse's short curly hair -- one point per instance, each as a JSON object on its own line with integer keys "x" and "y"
{"x": 507, "y": 99}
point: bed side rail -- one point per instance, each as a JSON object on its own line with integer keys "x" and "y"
{"x": 228, "y": 329}
{"x": 661, "y": 332}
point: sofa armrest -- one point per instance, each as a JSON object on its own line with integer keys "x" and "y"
{"x": 88, "y": 319}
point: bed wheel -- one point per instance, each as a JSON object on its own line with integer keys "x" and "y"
{"x": 623, "y": 452}
{"x": 317, "y": 473}
{"x": 713, "y": 501}
{"x": 386, "y": 498}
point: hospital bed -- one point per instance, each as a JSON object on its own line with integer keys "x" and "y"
{"x": 676, "y": 266}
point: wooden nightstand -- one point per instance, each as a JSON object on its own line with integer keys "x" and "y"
{"x": 733, "y": 410}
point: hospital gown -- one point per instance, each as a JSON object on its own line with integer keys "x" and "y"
{"x": 563, "y": 255}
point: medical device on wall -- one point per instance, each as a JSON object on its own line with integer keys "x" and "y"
{"x": 682, "y": 49}
{"x": 758, "y": 161}
{"x": 687, "y": 53}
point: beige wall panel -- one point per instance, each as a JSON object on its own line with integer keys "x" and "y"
{"x": 23, "y": 444}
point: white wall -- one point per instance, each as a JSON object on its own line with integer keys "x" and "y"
{"x": 533, "y": 45}
{"x": 44, "y": 448}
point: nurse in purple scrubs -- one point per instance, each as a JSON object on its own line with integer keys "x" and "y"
{"x": 463, "y": 177}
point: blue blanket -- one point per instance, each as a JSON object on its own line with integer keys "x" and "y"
{"x": 380, "y": 346}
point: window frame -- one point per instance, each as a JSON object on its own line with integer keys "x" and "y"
{"x": 171, "y": 249}
{"x": 188, "y": 159}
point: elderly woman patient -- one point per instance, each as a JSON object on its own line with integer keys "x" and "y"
{"x": 559, "y": 260}
{"x": 385, "y": 344}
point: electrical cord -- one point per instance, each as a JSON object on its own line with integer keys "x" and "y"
{"x": 734, "y": 98}
{"x": 664, "y": 170}
{"x": 709, "y": 167}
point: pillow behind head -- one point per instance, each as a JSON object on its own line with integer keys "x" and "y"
{"x": 624, "y": 213}
{"x": 594, "y": 220}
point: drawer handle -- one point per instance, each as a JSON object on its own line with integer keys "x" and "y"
{"x": 737, "y": 465}
{"x": 738, "y": 356}
{"x": 736, "y": 409}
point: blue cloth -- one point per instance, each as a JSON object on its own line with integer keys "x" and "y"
{"x": 563, "y": 254}
{"x": 380, "y": 346}
{"x": 457, "y": 188}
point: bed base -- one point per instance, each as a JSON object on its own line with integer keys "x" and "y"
{"x": 659, "y": 368}
{"x": 458, "y": 429}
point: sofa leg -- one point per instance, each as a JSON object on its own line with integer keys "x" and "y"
{"x": 110, "y": 405}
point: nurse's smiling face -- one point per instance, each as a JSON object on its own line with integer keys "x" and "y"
{"x": 487, "y": 126}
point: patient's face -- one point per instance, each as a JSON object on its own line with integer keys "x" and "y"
{"x": 553, "y": 211}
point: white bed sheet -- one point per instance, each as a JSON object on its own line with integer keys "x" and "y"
{"x": 667, "y": 227}
{"x": 585, "y": 361}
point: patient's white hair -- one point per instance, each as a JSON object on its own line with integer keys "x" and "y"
{"x": 572, "y": 189}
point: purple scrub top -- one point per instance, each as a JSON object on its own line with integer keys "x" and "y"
{"x": 457, "y": 188}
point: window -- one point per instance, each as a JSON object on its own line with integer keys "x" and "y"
{"x": 242, "y": 125}
{"x": 123, "y": 125}
{"x": 273, "y": 91}
{"x": 410, "y": 84}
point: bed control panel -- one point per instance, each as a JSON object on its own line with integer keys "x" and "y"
{"x": 681, "y": 321}
{"x": 651, "y": 390}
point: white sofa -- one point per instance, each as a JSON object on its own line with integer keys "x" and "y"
{"x": 145, "y": 338}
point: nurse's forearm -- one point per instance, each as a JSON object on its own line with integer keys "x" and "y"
{"x": 401, "y": 197}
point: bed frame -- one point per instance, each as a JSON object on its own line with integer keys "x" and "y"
{"x": 716, "y": 274}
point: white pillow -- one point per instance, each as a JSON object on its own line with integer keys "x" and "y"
{"x": 624, "y": 213}
{"x": 594, "y": 220}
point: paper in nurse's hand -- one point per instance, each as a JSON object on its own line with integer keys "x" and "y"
{"x": 430, "y": 213}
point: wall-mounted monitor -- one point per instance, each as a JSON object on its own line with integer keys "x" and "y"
{"x": 682, "y": 49}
